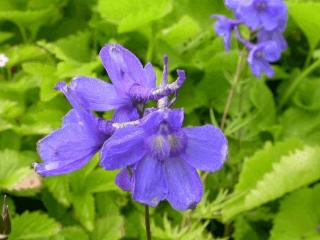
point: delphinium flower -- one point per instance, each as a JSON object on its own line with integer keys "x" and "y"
{"x": 164, "y": 157}
{"x": 158, "y": 158}
{"x": 3, "y": 60}
{"x": 266, "y": 20}
{"x": 132, "y": 85}
{"x": 82, "y": 133}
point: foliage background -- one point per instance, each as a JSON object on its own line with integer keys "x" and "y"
{"x": 269, "y": 187}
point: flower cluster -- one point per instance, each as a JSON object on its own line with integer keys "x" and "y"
{"x": 158, "y": 158}
{"x": 266, "y": 20}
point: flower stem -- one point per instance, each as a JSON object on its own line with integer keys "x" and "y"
{"x": 147, "y": 222}
{"x": 232, "y": 91}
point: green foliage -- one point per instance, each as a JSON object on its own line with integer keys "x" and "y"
{"x": 273, "y": 126}
{"x": 33, "y": 225}
{"x": 307, "y": 17}
{"x": 301, "y": 222}
{"x": 14, "y": 166}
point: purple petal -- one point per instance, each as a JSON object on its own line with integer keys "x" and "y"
{"x": 125, "y": 114}
{"x": 149, "y": 182}
{"x": 269, "y": 21}
{"x": 70, "y": 147}
{"x": 124, "y": 180}
{"x": 150, "y": 74}
{"x": 123, "y": 148}
{"x": 250, "y": 16}
{"x": 95, "y": 94}
{"x": 184, "y": 184}
{"x": 206, "y": 149}
{"x": 123, "y": 67}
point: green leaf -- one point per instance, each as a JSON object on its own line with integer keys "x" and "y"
{"x": 244, "y": 231}
{"x": 24, "y": 53}
{"x": 30, "y": 19}
{"x": 33, "y": 225}
{"x": 71, "y": 233}
{"x": 60, "y": 189}
{"x": 308, "y": 94}
{"x": 177, "y": 34}
{"x": 254, "y": 169}
{"x": 293, "y": 171}
{"x": 109, "y": 227}
{"x": 100, "y": 180}
{"x": 14, "y": 167}
{"x": 84, "y": 209}
{"x": 130, "y": 15}
{"x": 299, "y": 216}
{"x": 306, "y": 14}
{"x": 4, "y": 36}
{"x": 46, "y": 75}
{"x": 302, "y": 124}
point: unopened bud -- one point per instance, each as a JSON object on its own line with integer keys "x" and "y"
{"x": 6, "y": 216}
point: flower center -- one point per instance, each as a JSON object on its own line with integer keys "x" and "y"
{"x": 259, "y": 54}
{"x": 261, "y": 5}
{"x": 166, "y": 143}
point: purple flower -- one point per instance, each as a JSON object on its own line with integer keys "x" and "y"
{"x": 232, "y": 4}
{"x": 224, "y": 27}
{"x": 275, "y": 36}
{"x": 159, "y": 158}
{"x": 73, "y": 145}
{"x": 261, "y": 55}
{"x": 266, "y": 14}
{"x": 132, "y": 84}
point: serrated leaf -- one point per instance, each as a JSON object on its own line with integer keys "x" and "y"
{"x": 130, "y": 15}
{"x": 100, "y": 180}
{"x": 46, "y": 76}
{"x": 262, "y": 161}
{"x": 24, "y": 53}
{"x": 299, "y": 216}
{"x": 33, "y": 225}
{"x": 13, "y": 168}
{"x": 293, "y": 171}
{"x": 71, "y": 233}
{"x": 109, "y": 227}
{"x": 177, "y": 34}
{"x": 253, "y": 171}
{"x": 84, "y": 209}
{"x": 30, "y": 19}
{"x": 60, "y": 189}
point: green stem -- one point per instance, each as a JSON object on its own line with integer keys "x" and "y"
{"x": 147, "y": 222}
{"x": 234, "y": 85}
{"x": 23, "y": 33}
{"x": 297, "y": 81}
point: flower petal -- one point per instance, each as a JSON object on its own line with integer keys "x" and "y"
{"x": 70, "y": 147}
{"x": 124, "y": 180}
{"x": 149, "y": 182}
{"x": 206, "y": 148}
{"x": 123, "y": 148}
{"x": 123, "y": 67}
{"x": 150, "y": 76}
{"x": 125, "y": 114}
{"x": 95, "y": 94}
{"x": 184, "y": 185}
